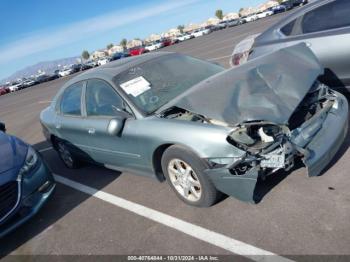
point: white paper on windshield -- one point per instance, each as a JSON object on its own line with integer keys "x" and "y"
{"x": 136, "y": 86}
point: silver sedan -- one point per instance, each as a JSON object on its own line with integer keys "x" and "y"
{"x": 206, "y": 130}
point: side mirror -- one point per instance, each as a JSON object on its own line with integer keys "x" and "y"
{"x": 115, "y": 126}
{"x": 2, "y": 127}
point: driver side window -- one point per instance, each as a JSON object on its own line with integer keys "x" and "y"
{"x": 102, "y": 99}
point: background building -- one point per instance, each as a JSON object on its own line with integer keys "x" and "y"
{"x": 134, "y": 43}
{"x": 98, "y": 54}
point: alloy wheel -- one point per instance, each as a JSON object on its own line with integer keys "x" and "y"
{"x": 184, "y": 180}
{"x": 66, "y": 156}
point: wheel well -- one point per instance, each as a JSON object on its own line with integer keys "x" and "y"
{"x": 157, "y": 161}
{"x": 53, "y": 140}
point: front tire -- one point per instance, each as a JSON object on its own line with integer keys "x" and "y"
{"x": 184, "y": 172}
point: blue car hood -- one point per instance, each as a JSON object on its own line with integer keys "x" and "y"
{"x": 12, "y": 154}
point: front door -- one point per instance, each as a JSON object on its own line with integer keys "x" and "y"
{"x": 103, "y": 104}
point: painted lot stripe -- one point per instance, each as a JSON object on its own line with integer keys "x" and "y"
{"x": 206, "y": 235}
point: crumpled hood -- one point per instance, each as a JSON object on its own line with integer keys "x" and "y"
{"x": 12, "y": 154}
{"x": 266, "y": 88}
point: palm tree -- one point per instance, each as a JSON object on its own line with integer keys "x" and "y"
{"x": 85, "y": 55}
{"x": 219, "y": 14}
{"x": 181, "y": 28}
{"x": 110, "y": 46}
{"x": 123, "y": 43}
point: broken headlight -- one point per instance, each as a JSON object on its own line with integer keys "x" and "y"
{"x": 254, "y": 137}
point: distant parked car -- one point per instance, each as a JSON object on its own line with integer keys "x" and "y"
{"x": 76, "y": 68}
{"x": 184, "y": 37}
{"x": 4, "y": 90}
{"x": 139, "y": 50}
{"x": 25, "y": 182}
{"x": 264, "y": 14}
{"x": 154, "y": 46}
{"x": 118, "y": 55}
{"x": 85, "y": 67}
{"x": 65, "y": 72}
{"x": 300, "y": 2}
{"x": 323, "y": 25}
{"x": 45, "y": 78}
{"x": 251, "y": 18}
{"x": 28, "y": 83}
{"x": 166, "y": 42}
{"x": 91, "y": 63}
{"x": 221, "y": 25}
{"x": 201, "y": 32}
{"x": 14, "y": 86}
{"x": 102, "y": 61}
{"x": 288, "y": 4}
{"x": 232, "y": 22}
{"x": 278, "y": 9}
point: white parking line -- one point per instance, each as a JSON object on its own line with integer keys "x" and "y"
{"x": 218, "y": 58}
{"x": 206, "y": 235}
{"x": 45, "y": 149}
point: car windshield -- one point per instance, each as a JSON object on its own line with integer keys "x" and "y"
{"x": 154, "y": 83}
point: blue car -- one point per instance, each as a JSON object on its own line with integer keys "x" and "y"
{"x": 25, "y": 182}
{"x": 118, "y": 55}
{"x": 278, "y": 9}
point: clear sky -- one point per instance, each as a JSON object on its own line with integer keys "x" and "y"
{"x": 39, "y": 30}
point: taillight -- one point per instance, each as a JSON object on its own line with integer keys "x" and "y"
{"x": 242, "y": 51}
{"x": 239, "y": 58}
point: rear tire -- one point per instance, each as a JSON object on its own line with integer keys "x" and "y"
{"x": 65, "y": 154}
{"x": 184, "y": 172}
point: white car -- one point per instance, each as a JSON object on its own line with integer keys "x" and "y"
{"x": 92, "y": 63}
{"x": 251, "y": 18}
{"x": 154, "y": 46}
{"x": 264, "y": 14}
{"x": 102, "y": 61}
{"x": 200, "y": 32}
{"x": 183, "y": 37}
{"x": 14, "y": 87}
{"x": 65, "y": 72}
{"x": 28, "y": 83}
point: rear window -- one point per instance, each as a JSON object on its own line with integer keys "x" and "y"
{"x": 71, "y": 100}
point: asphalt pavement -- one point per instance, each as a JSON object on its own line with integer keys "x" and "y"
{"x": 106, "y": 212}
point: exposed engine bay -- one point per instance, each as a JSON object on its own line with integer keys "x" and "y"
{"x": 270, "y": 146}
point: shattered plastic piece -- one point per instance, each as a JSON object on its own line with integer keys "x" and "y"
{"x": 265, "y": 138}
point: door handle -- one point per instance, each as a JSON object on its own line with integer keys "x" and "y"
{"x": 91, "y": 130}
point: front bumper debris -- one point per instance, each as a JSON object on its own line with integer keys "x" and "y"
{"x": 318, "y": 147}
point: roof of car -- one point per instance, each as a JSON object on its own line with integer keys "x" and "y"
{"x": 110, "y": 70}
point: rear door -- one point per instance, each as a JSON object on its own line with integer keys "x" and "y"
{"x": 69, "y": 121}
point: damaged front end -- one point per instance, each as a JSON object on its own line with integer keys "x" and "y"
{"x": 314, "y": 133}
{"x": 277, "y": 111}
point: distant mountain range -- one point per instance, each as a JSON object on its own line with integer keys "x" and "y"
{"x": 45, "y": 66}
